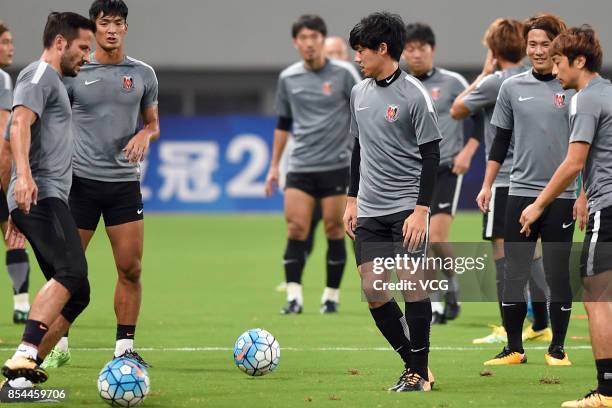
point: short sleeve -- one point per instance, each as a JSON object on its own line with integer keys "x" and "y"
{"x": 31, "y": 95}
{"x": 503, "y": 116}
{"x": 583, "y": 118}
{"x": 283, "y": 107}
{"x": 484, "y": 95}
{"x": 6, "y": 91}
{"x": 424, "y": 116}
{"x": 151, "y": 89}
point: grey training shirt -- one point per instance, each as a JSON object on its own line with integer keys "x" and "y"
{"x": 537, "y": 112}
{"x": 482, "y": 99}
{"x": 6, "y": 91}
{"x": 39, "y": 88}
{"x": 107, "y": 101}
{"x": 391, "y": 123}
{"x": 318, "y": 103}
{"x": 590, "y": 116}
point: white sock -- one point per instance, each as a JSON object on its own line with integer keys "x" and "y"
{"x": 331, "y": 294}
{"x": 27, "y": 351}
{"x": 21, "y": 382}
{"x": 22, "y": 302}
{"x": 62, "y": 344}
{"x": 437, "y": 307}
{"x": 123, "y": 345}
{"x": 294, "y": 292}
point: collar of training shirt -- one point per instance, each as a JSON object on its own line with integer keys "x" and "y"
{"x": 390, "y": 79}
{"x": 426, "y": 76}
{"x": 542, "y": 77}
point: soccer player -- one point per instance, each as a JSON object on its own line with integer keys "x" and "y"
{"x": 533, "y": 107}
{"x": 506, "y": 49}
{"x": 455, "y": 158}
{"x": 313, "y": 102}
{"x": 17, "y": 262}
{"x": 111, "y": 94}
{"x": 393, "y": 176}
{"x": 42, "y": 146}
{"x": 577, "y": 57}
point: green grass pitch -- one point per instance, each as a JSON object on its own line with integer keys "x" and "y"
{"x": 209, "y": 278}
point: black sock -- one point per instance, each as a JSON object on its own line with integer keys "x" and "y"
{"x": 560, "y": 313}
{"x": 18, "y": 267}
{"x": 500, "y": 267}
{"x": 295, "y": 258}
{"x": 418, "y": 317}
{"x": 125, "y": 332}
{"x": 34, "y": 332}
{"x": 604, "y": 376}
{"x": 540, "y": 315}
{"x": 514, "y": 317}
{"x": 336, "y": 259}
{"x": 392, "y": 324}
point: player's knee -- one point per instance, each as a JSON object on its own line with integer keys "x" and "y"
{"x": 297, "y": 230}
{"x": 78, "y": 302}
{"x": 334, "y": 229}
{"x": 130, "y": 271}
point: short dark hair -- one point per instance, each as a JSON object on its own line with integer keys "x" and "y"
{"x": 310, "y": 21}
{"x": 3, "y": 28}
{"x": 420, "y": 32}
{"x": 504, "y": 38}
{"x": 578, "y": 41}
{"x": 108, "y": 8}
{"x": 550, "y": 23}
{"x": 378, "y": 28}
{"x": 67, "y": 25}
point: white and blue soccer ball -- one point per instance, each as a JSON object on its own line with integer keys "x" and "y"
{"x": 256, "y": 352}
{"x": 123, "y": 382}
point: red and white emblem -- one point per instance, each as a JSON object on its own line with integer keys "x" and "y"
{"x": 559, "y": 100}
{"x": 327, "y": 88}
{"x": 391, "y": 113}
{"x": 435, "y": 93}
{"x": 128, "y": 82}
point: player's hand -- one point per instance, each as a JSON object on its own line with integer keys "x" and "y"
{"x": 137, "y": 148}
{"x": 581, "y": 212}
{"x": 272, "y": 180}
{"x": 415, "y": 228}
{"x": 26, "y": 192}
{"x": 490, "y": 64}
{"x": 483, "y": 199}
{"x": 350, "y": 217}
{"x": 461, "y": 163}
{"x": 530, "y": 214}
{"x": 14, "y": 238}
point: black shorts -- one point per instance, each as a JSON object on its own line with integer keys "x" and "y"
{"x": 380, "y": 237}
{"x": 493, "y": 222}
{"x": 446, "y": 193}
{"x": 596, "y": 254}
{"x": 4, "y": 211}
{"x": 118, "y": 202}
{"x": 320, "y": 184}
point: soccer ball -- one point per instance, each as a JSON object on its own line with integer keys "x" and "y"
{"x": 256, "y": 352}
{"x": 123, "y": 382}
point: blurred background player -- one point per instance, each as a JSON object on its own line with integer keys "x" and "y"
{"x": 577, "y": 58}
{"x": 108, "y": 98}
{"x": 506, "y": 50}
{"x": 335, "y": 47}
{"x": 393, "y": 176}
{"x": 455, "y": 158}
{"x": 17, "y": 263}
{"x": 313, "y": 104}
{"x": 534, "y": 103}
{"x": 42, "y": 146}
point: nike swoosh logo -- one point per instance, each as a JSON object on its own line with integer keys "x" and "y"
{"x": 362, "y": 108}
{"x": 416, "y": 351}
{"x": 564, "y": 309}
{"x": 389, "y": 80}
{"x": 245, "y": 349}
{"x": 91, "y": 82}
{"x": 508, "y": 304}
{"x": 129, "y": 334}
{"x": 296, "y": 91}
{"x": 565, "y": 226}
{"x": 521, "y": 99}
{"x": 444, "y": 205}
{"x": 139, "y": 212}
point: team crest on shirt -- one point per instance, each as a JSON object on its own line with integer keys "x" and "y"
{"x": 559, "y": 100}
{"x": 127, "y": 83}
{"x": 391, "y": 113}
{"x": 435, "y": 93}
{"x": 327, "y": 88}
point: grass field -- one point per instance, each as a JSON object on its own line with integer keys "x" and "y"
{"x": 209, "y": 278}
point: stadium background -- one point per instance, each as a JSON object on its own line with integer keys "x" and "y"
{"x": 217, "y": 63}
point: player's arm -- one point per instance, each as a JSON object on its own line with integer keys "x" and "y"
{"x": 350, "y": 212}
{"x": 281, "y": 134}
{"x": 497, "y": 155}
{"x": 138, "y": 146}
{"x": 26, "y": 191}
{"x": 5, "y": 151}
{"x": 463, "y": 160}
{"x": 459, "y": 109}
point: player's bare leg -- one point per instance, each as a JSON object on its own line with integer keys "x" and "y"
{"x": 333, "y": 210}
{"x": 298, "y": 214}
